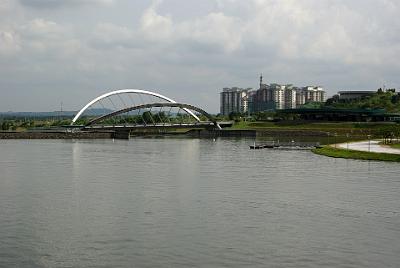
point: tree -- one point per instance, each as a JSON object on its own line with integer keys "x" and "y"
{"x": 4, "y": 125}
{"x": 148, "y": 117}
{"x": 160, "y": 117}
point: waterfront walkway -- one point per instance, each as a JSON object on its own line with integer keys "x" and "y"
{"x": 369, "y": 146}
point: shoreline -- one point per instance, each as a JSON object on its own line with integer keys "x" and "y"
{"x": 55, "y": 135}
{"x": 191, "y": 133}
{"x": 344, "y": 153}
{"x": 373, "y": 146}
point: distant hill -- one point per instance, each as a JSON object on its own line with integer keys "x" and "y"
{"x": 66, "y": 114}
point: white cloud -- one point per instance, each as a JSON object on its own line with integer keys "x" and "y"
{"x": 63, "y": 3}
{"x": 109, "y": 35}
{"x": 42, "y": 28}
{"x": 214, "y": 29}
{"x": 9, "y": 43}
{"x": 154, "y": 26}
{"x": 48, "y": 38}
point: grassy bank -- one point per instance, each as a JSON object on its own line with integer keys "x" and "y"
{"x": 352, "y": 154}
{"x": 342, "y": 128}
{"x": 294, "y": 125}
{"x": 395, "y": 145}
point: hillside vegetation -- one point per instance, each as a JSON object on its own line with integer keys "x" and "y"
{"x": 389, "y": 101}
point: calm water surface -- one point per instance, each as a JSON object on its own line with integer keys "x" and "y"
{"x": 193, "y": 203}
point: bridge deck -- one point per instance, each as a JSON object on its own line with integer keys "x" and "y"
{"x": 203, "y": 124}
{"x": 149, "y": 126}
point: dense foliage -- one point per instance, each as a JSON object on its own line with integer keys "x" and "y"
{"x": 388, "y": 100}
{"x": 21, "y": 124}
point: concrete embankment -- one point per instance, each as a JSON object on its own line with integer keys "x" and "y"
{"x": 56, "y": 135}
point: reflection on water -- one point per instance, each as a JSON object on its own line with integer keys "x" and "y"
{"x": 193, "y": 202}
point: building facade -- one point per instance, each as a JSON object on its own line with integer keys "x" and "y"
{"x": 234, "y": 100}
{"x": 268, "y": 97}
{"x": 309, "y": 94}
{"x": 352, "y": 94}
{"x": 276, "y": 96}
{"x": 290, "y": 98}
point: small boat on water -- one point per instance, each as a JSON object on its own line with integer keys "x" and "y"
{"x": 287, "y": 145}
{"x": 261, "y": 146}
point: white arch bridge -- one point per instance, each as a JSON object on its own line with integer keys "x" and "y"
{"x": 128, "y": 109}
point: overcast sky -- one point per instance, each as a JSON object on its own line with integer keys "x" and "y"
{"x": 70, "y": 51}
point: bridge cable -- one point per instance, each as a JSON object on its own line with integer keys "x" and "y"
{"x": 150, "y": 98}
{"x": 169, "y": 115}
{"x": 133, "y": 102}
{"x": 129, "y": 95}
{"x": 115, "y": 107}
{"x": 178, "y": 116}
{"x": 140, "y": 96}
{"x": 151, "y": 117}
{"x": 140, "y": 115}
{"x": 159, "y": 116}
{"x": 101, "y": 103}
{"x": 125, "y": 106}
{"x": 144, "y": 121}
{"x": 123, "y": 103}
{"x": 114, "y": 118}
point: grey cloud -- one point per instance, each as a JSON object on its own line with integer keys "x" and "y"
{"x": 49, "y": 4}
{"x": 191, "y": 56}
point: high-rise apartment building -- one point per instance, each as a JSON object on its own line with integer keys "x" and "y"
{"x": 268, "y": 97}
{"x": 234, "y": 100}
{"x": 309, "y": 94}
{"x": 276, "y": 96}
{"x": 290, "y": 97}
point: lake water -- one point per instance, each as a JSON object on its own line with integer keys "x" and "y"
{"x": 193, "y": 203}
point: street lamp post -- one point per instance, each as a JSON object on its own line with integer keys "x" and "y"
{"x": 335, "y": 140}
{"x": 347, "y": 135}
{"x": 369, "y": 143}
{"x": 329, "y": 140}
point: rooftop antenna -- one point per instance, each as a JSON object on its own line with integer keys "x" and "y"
{"x": 61, "y": 110}
{"x": 261, "y": 78}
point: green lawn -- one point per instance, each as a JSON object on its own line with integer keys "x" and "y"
{"x": 352, "y": 154}
{"x": 395, "y": 145}
{"x": 341, "y": 128}
{"x": 292, "y": 125}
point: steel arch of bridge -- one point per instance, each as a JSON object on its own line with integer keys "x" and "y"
{"x": 186, "y": 107}
{"x": 127, "y": 91}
